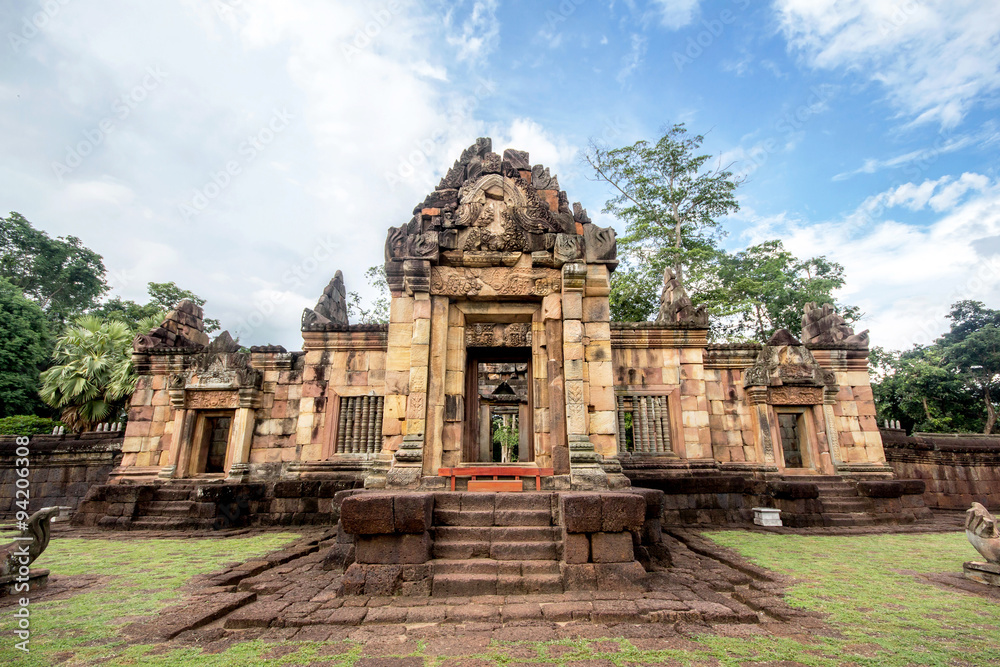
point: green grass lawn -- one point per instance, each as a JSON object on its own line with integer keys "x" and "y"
{"x": 885, "y": 617}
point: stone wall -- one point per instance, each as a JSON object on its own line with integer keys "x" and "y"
{"x": 957, "y": 469}
{"x": 62, "y": 468}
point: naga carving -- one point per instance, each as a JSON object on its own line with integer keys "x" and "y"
{"x": 331, "y": 309}
{"x": 982, "y": 533}
{"x": 23, "y": 552}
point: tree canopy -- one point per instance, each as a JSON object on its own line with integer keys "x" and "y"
{"x": 949, "y": 386}
{"x": 59, "y": 274}
{"x": 92, "y": 377}
{"x": 672, "y": 200}
{"x": 25, "y": 346}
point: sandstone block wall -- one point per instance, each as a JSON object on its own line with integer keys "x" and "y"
{"x": 956, "y": 469}
{"x": 62, "y": 469}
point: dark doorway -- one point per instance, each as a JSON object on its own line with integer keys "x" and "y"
{"x": 217, "y": 435}
{"x": 498, "y": 406}
{"x": 790, "y": 432}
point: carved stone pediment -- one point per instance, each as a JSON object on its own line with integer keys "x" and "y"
{"x": 787, "y": 365}
{"x": 823, "y": 326}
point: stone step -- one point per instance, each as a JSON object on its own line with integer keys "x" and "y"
{"x": 496, "y": 533}
{"x": 166, "y": 493}
{"x": 523, "y": 501}
{"x": 169, "y": 508}
{"x": 848, "y": 519}
{"x": 844, "y": 505}
{"x": 464, "y": 585}
{"x": 496, "y": 567}
{"x": 506, "y": 551}
{"x": 463, "y": 517}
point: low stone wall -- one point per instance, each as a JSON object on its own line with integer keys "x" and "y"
{"x": 61, "y": 468}
{"x": 957, "y": 469}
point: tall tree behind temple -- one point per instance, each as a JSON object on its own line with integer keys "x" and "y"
{"x": 949, "y": 386}
{"x": 765, "y": 288}
{"x": 60, "y": 274}
{"x": 25, "y": 346}
{"x": 670, "y": 199}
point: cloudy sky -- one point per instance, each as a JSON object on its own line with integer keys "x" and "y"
{"x": 247, "y": 149}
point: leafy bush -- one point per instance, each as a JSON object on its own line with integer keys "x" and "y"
{"x": 27, "y": 425}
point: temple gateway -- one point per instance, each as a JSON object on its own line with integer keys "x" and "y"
{"x": 500, "y": 370}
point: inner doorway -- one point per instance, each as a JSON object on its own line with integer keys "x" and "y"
{"x": 791, "y": 432}
{"x": 498, "y": 407}
{"x": 211, "y": 443}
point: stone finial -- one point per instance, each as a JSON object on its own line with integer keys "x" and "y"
{"x": 823, "y": 326}
{"x": 331, "y": 307}
{"x": 783, "y": 337}
{"x": 981, "y": 530}
{"x": 184, "y": 326}
{"x": 223, "y": 344}
{"x": 676, "y": 306}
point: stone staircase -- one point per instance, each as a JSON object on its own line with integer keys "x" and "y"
{"x": 496, "y": 544}
{"x": 173, "y": 507}
{"x": 842, "y": 506}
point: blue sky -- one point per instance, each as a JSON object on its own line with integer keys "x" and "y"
{"x": 247, "y": 149}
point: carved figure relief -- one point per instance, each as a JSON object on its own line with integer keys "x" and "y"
{"x": 517, "y": 334}
{"x": 457, "y": 281}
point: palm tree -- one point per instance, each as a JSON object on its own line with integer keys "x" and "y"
{"x": 93, "y": 376}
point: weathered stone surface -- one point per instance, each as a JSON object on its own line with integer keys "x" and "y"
{"x": 393, "y": 549}
{"x": 367, "y": 514}
{"x": 676, "y": 306}
{"x": 576, "y": 548}
{"x": 981, "y": 530}
{"x": 332, "y": 305}
{"x": 611, "y": 547}
{"x": 582, "y": 513}
{"x": 823, "y": 326}
{"x": 622, "y": 511}
{"x": 412, "y": 512}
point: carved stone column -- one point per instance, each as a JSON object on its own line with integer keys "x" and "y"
{"x": 757, "y": 397}
{"x": 829, "y": 419}
{"x": 585, "y": 465}
{"x": 241, "y": 435}
{"x": 407, "y": 467}
{"x": 180, "y": 444}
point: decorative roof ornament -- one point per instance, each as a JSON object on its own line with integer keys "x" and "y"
{"x": 676, "y": 306}
{"x": 823, "y": 326}
{"x": 183, "y": 327}
{"x": 331, "y": 309}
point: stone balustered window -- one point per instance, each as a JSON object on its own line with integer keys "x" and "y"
{"x": 359, "y": 428}
{"x": 643, "y": 424}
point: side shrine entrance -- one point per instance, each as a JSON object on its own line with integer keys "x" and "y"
{"x": 499, "y": 337}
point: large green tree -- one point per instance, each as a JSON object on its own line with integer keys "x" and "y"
{"x": 951, "y": 385}
{"x": 765, "y": 288}
{"x": 92, "y": 375}
{"x": 60, "y": 274}
{"x": 25, "y": 346}
{"x": 671, "y": 199}
{"x": 162, "y": 298}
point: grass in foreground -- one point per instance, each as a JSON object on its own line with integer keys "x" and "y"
{"x": 886, "y": 617}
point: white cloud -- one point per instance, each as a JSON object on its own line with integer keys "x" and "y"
{"x": 479, "y": 33}
{"x": 872, "y": 165}
{"x": 556, "y": 153}
{"x": 905, "y": 277}
{"x": 632, "y": 60}
{"x": 935, "y": 58}
{"x": 676, "y": 14}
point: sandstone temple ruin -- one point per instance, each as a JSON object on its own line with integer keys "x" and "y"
{"x": 500, "y": 370}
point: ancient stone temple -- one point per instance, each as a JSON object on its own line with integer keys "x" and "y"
{"x": 499, "y": 369}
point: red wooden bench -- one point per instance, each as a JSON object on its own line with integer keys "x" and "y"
{"x": 494, "y": 473}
